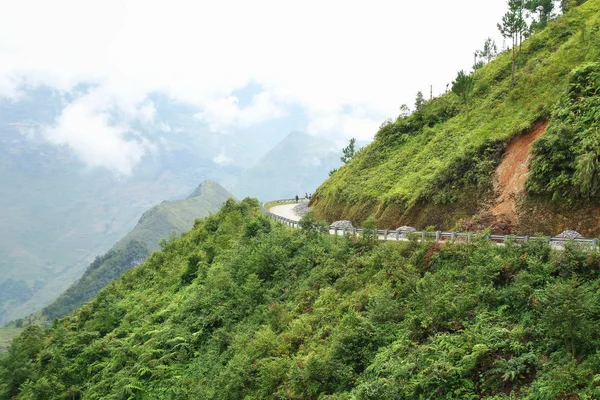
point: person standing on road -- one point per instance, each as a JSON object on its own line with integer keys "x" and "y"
{"x": 296, "y": 198}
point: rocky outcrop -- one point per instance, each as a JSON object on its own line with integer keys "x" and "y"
{"x": 342, "y": 225}
{"x": 403, "y": 231}
{"x": 301, "y": 209}
{"x": 566, "y": 235}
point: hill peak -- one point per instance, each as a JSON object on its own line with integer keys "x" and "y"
{"x": 204, "y": 186}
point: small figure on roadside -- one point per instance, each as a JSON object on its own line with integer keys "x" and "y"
{"x": 310, "y": 196}
{"x": 296, "y": 198}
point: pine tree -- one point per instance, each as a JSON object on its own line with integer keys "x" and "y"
{"x": 487, "y": 54}
{"x": 462, "y": 86}
{"x": 544, "y": 9}
{"x": 419, "y": 101}
{"x": 566, "y": 5}
{"x": 348, "y": 151}
{"x": 514, "y": 26}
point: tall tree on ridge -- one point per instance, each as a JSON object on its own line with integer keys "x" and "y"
{"x": 566, "y": 5}
{"x": 348, "y": 151}
{"x": 544, "y": 9}
{"x": 419, "y": 101}
{"x": 513, "y": 26}
{"x": 487, "y": 54}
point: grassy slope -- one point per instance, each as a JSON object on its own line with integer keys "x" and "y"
{"x": 398, "y": 176}
{"x": 240, "y": 308}
{"x": 155, "y": 224}
{"x": 56, "y": 216}
{"x": 176, "y": 216}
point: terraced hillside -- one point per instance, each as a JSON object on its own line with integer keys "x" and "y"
{"x": 438, "y": 166}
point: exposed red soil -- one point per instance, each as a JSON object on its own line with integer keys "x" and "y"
{"x": 511, "y": 174}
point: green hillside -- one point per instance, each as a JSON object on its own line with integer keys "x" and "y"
{"x": 437, "y": 165}
{"x": 57, "y": 216}
{"x": 156, "y": 224}
{"x": 160, "y": 221}
{"x": 243, "y": 308}
{"x": 297, "y": 165}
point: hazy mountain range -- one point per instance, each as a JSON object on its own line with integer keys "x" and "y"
{"x": 156, "y": 224}
{"x": 57, "y": 213}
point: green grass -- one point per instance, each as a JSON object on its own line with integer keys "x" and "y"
{"x": 7, "y": 334}
{"x": 447, "y": 152}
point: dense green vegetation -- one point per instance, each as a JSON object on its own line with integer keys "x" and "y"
{"x": 445, "y": 152}
{"x": 243, "y": 308}
{"x": 156, "y": 224}
{"x": 57, "y": 216}
{"x": 104, "y": 269}
{"x": 566, "y": 165}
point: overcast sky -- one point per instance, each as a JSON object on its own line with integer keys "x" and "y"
{"x": 348, "y": 65}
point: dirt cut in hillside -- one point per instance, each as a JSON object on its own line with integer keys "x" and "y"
{"x": 511, "y": 174}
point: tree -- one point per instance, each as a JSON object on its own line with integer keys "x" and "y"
{"x": 490, "y": 50}
{"x": 544, "y": 9}
{"x": 462, "y": 86}
{"x": 513, "y": 26}
{"x": 478, "y": 64}
{"x": 566, "y": 5}
{"x": 485, "y": 55}
{"x": 311, "y": 225}
{"x": 419, "y": 101}
{"x": 369, "y": 233}
{"x": 404, "y": 111}
{"x": 348, "y": 151}
{"x": 567, "y": 309}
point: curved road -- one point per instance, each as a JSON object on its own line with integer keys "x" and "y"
{"x": 286, "y": 211}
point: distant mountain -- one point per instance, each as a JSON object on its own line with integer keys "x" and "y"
{"x": 57, "y": 214}
{"x": 297, "y": 165}
{"x": 155, "y": 224}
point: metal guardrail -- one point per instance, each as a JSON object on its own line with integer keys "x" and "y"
{"x": 438, "y": 236}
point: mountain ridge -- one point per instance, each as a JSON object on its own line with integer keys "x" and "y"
{"x": 295, "y": 166}
{"x": 156, "y": 224}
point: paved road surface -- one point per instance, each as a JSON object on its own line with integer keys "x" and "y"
{"x": 286, "y": 211}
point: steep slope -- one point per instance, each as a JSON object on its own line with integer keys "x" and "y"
{"x": 297, "y": 165}
{"x": 56, "y": 216}
{"x": 156, "y": 224}
{"x": 437, "y": 166}
{"x": 176, "y": 216}
{"x": 243, "y": 308}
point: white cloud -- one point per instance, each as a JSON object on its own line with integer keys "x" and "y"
{"x": 347, "y": 65}
{"x": 146, "y": 113}
{"x": 164, "y": 127}
{"x": 92, "y": 137}
{"x": 351, "y": 126}
{"x": 222, "y": 159}
{"x": 225, "y": 113}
